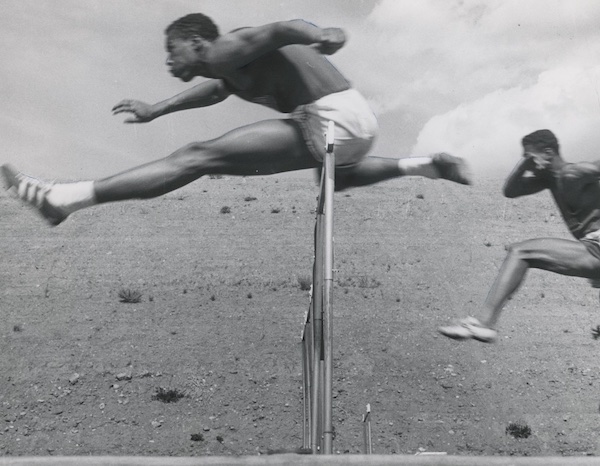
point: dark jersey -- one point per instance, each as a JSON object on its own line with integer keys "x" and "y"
{"x": 585, "y": 217}
{"x": 286, "y": 78}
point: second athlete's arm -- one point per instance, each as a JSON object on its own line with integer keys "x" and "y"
{"x": 519, "y": 183}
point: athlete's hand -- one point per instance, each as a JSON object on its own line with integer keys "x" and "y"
{"x": 332, "y": 39}
{"x": 141, "y": 112}
{"x": 535, "y": 161}
{"x": 530, "y": 159}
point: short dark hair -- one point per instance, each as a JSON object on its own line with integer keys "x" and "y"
{"x": 195, "y": 24}
{"x": 542, "y": 138}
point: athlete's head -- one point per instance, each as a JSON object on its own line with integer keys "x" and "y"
{"x": 195, "y": 24}
{"x": 541, "y": 146}
{"x": 187, "y": 41}
{"x": 542, "y": 139}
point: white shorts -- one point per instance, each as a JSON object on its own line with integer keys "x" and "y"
{"x": 355, "y": 126}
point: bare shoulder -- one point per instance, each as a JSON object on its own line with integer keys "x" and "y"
{"x": 240, "y": 46}
{"x": 576, "y": 176}
{"x": 580, "y": 169}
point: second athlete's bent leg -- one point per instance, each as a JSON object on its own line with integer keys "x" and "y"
{"x": 565, "y": 257}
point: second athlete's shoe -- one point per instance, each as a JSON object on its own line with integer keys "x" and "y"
{"x": 470, "y": 328}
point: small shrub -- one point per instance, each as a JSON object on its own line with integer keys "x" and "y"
{"x": 225, "y": 209}
{"x": 219, "y": 439}
{"x": 249, "y": 198}
{"x": 275, "y": 211}
{"x": 596, "y": 332}
{"x": 168, "y": 395}
{"x": 127, "y": 295}
{"x": 517, "y": 430}
{"x": 197, "y": 437}
{"x": 305, "y": 283}
{"x": 17, "y": 328}
{"x": 366, "y": 282}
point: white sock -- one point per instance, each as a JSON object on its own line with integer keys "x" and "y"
{"x": 70, "y": 197}
{"x": 418, "y": 166}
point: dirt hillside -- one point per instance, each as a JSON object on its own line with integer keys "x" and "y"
{"x": 208, "y": 362}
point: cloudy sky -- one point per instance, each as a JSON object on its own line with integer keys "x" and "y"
{"x": 466, "y": 76}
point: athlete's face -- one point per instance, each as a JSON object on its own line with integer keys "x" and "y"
{"x": 184, "y": 57}
{"x": 542, "y": 158}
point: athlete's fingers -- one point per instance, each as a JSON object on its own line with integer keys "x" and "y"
{"x": 123, "y": 105}
{"x": 333, "y": 39}
{"x": 120, "y": 104}
{"x": 119, "y": 110}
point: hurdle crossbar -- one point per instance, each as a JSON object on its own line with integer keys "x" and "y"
{"x": 317, "y": 335}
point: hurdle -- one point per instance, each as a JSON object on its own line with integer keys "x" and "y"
{"x": 317, "y": 332}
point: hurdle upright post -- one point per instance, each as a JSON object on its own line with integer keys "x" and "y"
{"x": 329, "y": 171}
{"x": 317, "y": 333}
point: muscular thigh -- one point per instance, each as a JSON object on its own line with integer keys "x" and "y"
{"x": 265, "y": 147}
{"x": 567, "y": 257}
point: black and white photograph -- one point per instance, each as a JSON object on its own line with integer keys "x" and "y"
{"x": 338, "y": 232}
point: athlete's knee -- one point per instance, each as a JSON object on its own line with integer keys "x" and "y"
{"x": 525, "y": 250}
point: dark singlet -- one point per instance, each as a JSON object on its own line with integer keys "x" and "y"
{"x": 288, "y": 77}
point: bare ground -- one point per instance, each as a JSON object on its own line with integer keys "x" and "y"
{"x": 220, "y": 318}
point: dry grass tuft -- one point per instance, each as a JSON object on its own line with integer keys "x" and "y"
{"x": 168, "y": 395}
{"x": 517, "y": 430}
{"x": 127, "y": 295}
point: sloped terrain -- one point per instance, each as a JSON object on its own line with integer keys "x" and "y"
{"x": 208, "y": 362}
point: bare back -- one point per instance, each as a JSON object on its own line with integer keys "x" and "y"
{"x": 577, "y": 196}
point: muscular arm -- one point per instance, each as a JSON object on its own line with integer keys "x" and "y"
{"x": 240, "y": 47}
{"x": 519, "y": 183}
{"x": 202, "y": 95}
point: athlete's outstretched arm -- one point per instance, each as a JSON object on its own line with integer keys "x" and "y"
{"x": 519, "y": 183}
{"x": 202, "y": 95}
{"x": 242, "y": 46}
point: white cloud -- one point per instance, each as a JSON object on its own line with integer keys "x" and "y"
{"x": 441, "y": 53}
{"x": 487, "y": 131}
{"x": 415, "y": 60}
{"x": 66, "y": 62}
